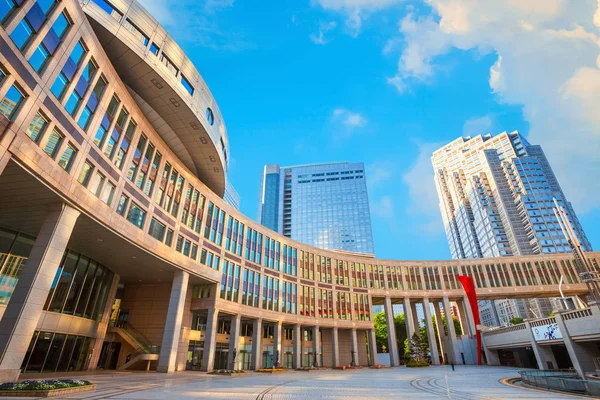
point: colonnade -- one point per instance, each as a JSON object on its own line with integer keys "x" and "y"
{"x": 445, "y": 345}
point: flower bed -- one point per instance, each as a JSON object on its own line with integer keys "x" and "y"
{"x": 344, "y": 367}
{"x": 45, "y": 388}
{"x": 308, "y": 369}
{"x": 228, "y": 372}
{"x": 271, "y": 370}
{"x": 378, "y": 366}
{"x": 417, "y": 364}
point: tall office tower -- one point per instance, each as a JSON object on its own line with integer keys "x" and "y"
{"x": 496, "y": 198}
{"x": 231, "y": 196}
{"x": 324, "y": 205}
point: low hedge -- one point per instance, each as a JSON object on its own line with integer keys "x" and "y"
{"x": 48, "y": 384}
{"x": 417, "y": 364}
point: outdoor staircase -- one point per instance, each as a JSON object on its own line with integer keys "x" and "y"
{"x": 144, "y": 350}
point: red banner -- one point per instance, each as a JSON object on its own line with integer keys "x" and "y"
{"x": 469, "y": 287}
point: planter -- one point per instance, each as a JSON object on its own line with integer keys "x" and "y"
{"x": 228, "y": 373}
{"x": 378, "y": 366}
{"x": 308, "y": 369}
{"x": 47, "y": 393}
{"x": 271, "y": 370}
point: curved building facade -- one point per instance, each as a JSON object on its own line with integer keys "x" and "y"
{"x": 118, "y": 251}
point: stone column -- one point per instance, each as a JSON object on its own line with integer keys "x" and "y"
{"x": 355, "y": 347}
{"x": 415, "y": 315}
{"x": 297, "y": 346}
{"x": 316, "y": 346}
{"x": 391, "y": 328}
{"x": 210, "y": 340}
{"x": 580, "y": 357}
{"x": 435, "y": 357}
{"x": 172, "y": 332}
{"x": 491, "y": 355}
{"x": 408, "y": 319}
{"x": 454, "y": 350}
{"x": 373, "y": 347}
{"x": 335, "y": 348}
{"x": 543, "y": 354}
{"x": 277, "y": 340}
{"x": 469, "y": 315}
{"x": 440, "y": 329}
{"x": 234, "y": 342}
{"x": 462, "y": 314}
{"x": 103, "y": 325}
{"x": 257, "y": 334}
{"x": 25, "y": 307}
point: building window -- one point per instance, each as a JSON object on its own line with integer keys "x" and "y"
{"x": 66, "y": 160}
{"x": 11, "y": 102}
{"x": 157, "y": 230}
{"x": 87, "y": 75}
{"x": 110, "y": 9}
{"x": 123, "y": 202}
{"x": 97, "y": 183}
{"x": 90, "y": 107}
{"x": 131, "y": 27}
{"x": 53, "y": 143}
{"x": 22, "y": 33}
{"x": 108, "y": 193}
{"x": 50, "y": 43}
{"x": 7, "y": 7}
{"x": 154, "y": 49}
{"x": 136, "y": 215}
{"x": 210, "y": 117}
{"x": 86, "y": 172}
{"x": 187, "y": 85}
{"x": 169, "y": 238}
{"x": 37, "y": 127}
{"x": 170, "y": 66}
{"x": 106, "y": 121}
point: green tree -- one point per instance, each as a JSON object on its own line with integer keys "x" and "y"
{"x": 516, "y": 321}
{"x": 381, "y": 331}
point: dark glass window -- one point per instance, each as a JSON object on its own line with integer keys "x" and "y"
{"x": 187, "y": 85}
{"x": 210, "y": 117}
{"x": 11, "y": 102}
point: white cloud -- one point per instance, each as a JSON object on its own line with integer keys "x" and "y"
{"x": 477, "y": 126}
{"x": 348, "y": 118}
{"x": 324, "y": 27}
{"x": 547, "y": 53}
{"x": 384, "y": 208}
{"x": 423, "y": 199}
{"x": 203, "y": 29}
{"x": 355, "y": 10}
{"x": 379, "y": 173}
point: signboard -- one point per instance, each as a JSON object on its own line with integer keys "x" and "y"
{"x": 547, "y": 332}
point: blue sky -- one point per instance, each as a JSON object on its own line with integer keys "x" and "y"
{"x": 388, "y": 81}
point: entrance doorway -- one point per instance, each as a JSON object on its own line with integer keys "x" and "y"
{"x": 109, "y": 355}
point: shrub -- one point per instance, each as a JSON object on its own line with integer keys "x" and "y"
{"x": 48, "y": 384}
{"x": 417, "y": 364}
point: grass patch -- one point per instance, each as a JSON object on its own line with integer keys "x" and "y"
{"x": 417, "y": 364}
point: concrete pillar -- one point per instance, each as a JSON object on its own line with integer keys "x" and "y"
{"x": 543, "y": 354}
{"x": 335, "y": 348}
{"x": 234, "y": 342}
{"x": 172, "y": 332}
{"x": 103, "y": 325}
{"x": 277, "y": 340}
{"x": 210, "y": 340}
{"x": 316, "y": 346}
{"x": 297, "y": 346}
{"x": 257, "y": 334}
{"x": 469, "y": 315}
{"x": 408, "y": 319}
{"x": 373, "y": 347}
{"x": 25, "y": 307}
{"x": 463, "y": 318}
{"x": 454, "y": 350}
{"x": 440, "y": 330}
{"x": 580, "y": 357}
{"x": 491, "y": 355}
{"x": 415, "y": 315}
{"x": 391, "y": 328}
{"x": 435, "y": 357}
{"x": 355, "y": 347}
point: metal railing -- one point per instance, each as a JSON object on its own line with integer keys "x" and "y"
{"x": 560, "y": 380}
{"x": 144, "y": 345}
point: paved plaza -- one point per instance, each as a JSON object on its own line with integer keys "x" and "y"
{"x": 467, "y": 382}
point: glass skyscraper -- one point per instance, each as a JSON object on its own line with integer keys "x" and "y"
{"x": 324, "y": 205}
{"x": 496, "y": 197}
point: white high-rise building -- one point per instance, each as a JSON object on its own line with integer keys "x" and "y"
{"x": 496, "y": 198}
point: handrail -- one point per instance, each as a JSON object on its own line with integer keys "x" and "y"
{"x": 145, "y": 345}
